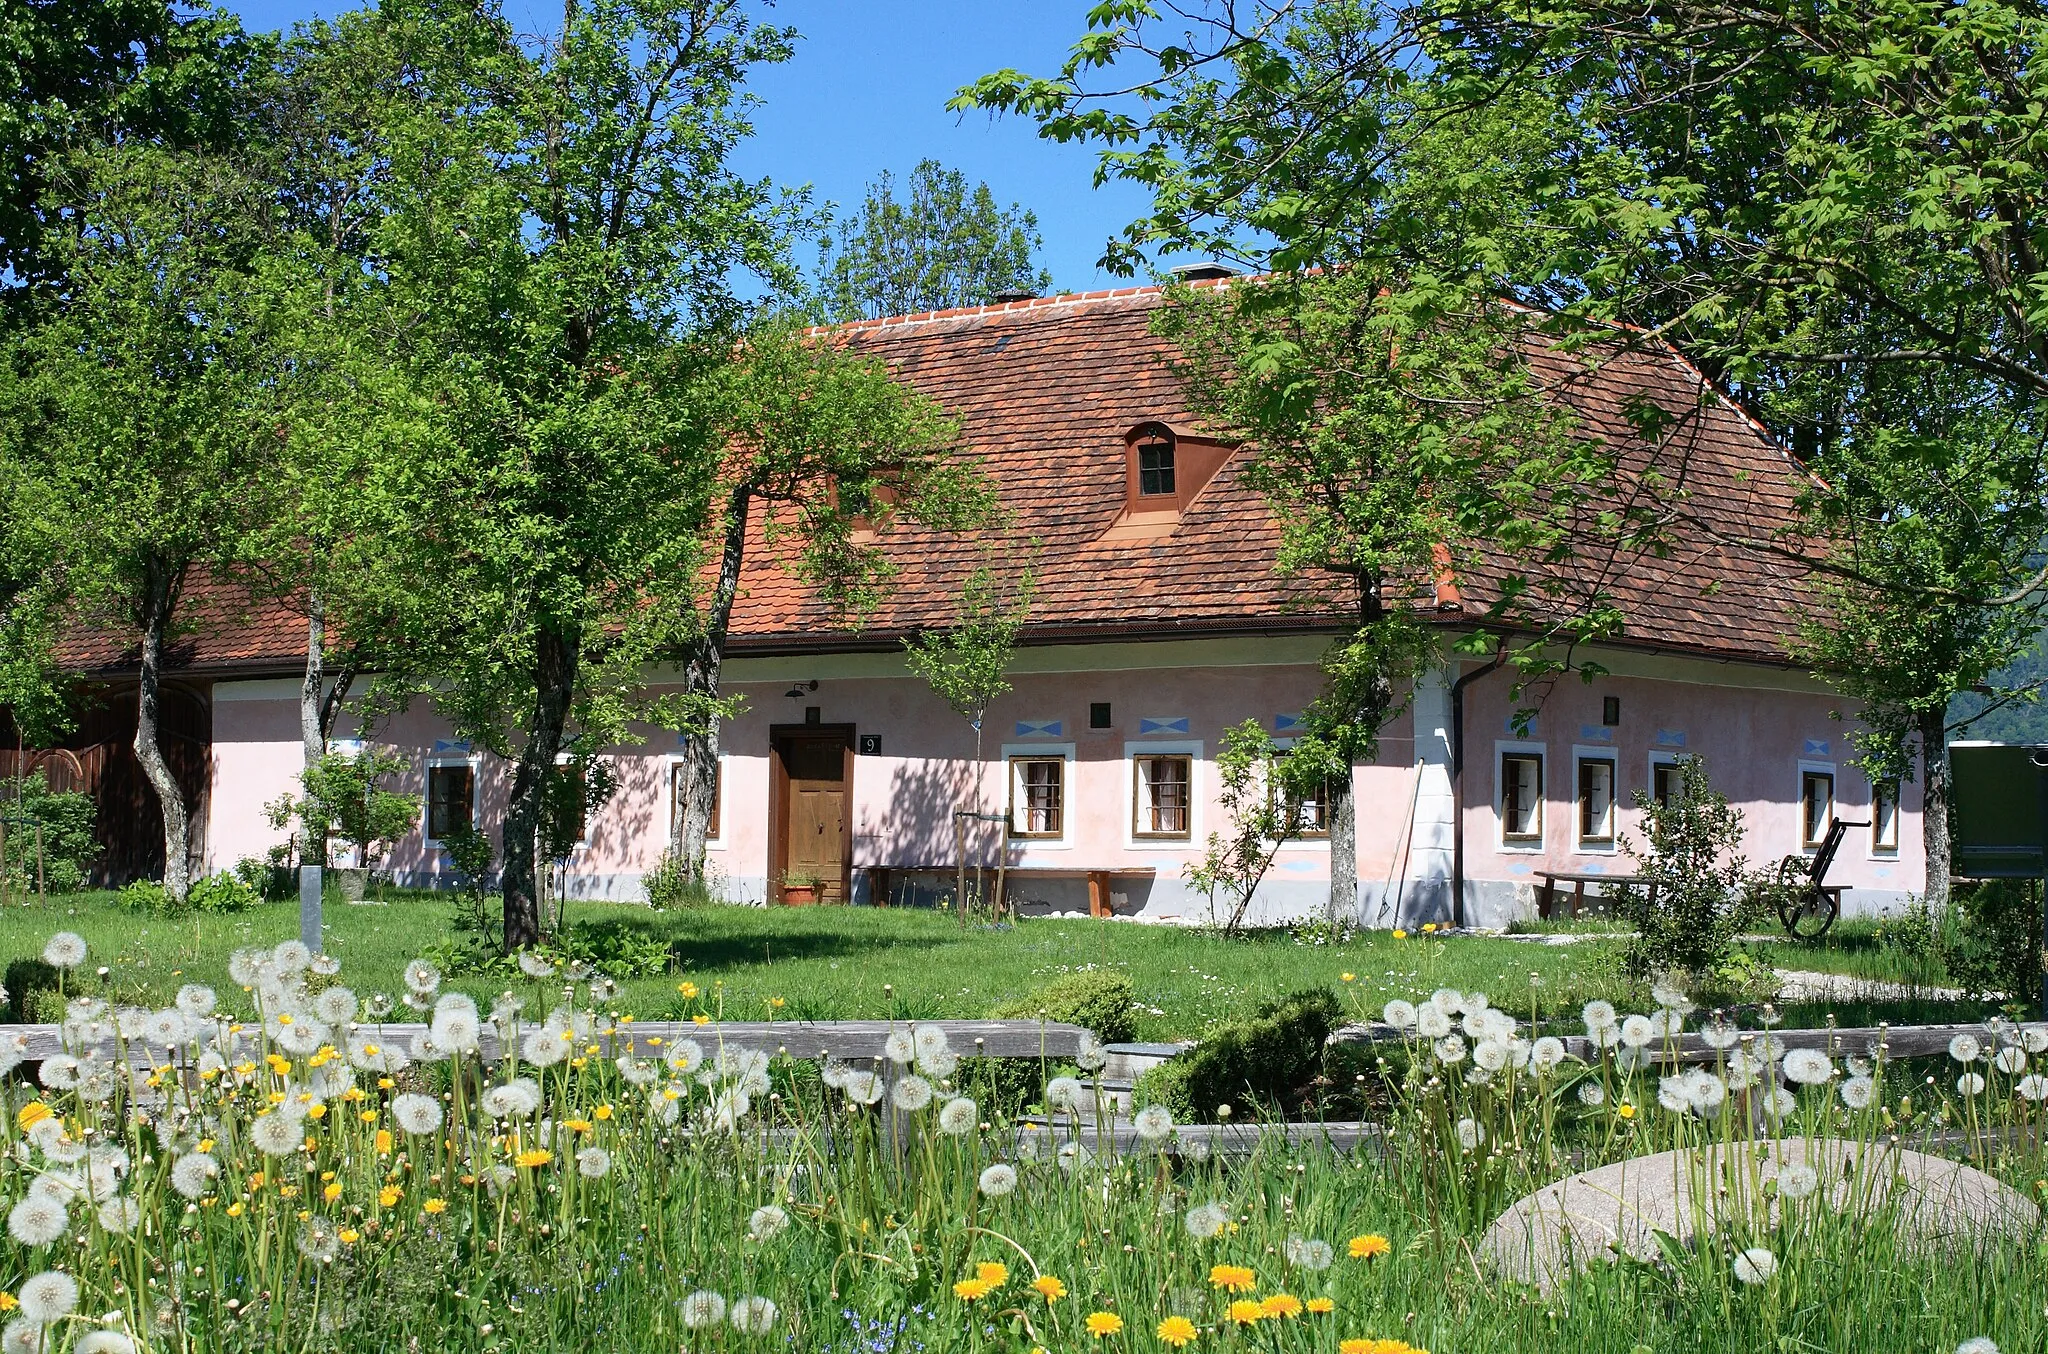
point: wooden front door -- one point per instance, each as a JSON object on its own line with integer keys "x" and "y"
{"x": 813, "y": 810}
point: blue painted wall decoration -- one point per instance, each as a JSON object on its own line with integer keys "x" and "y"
{"x": 1596, "y": 733}
{"x": 442, "y": 745}
{"x": 1286, "y": 723}
{"x": 1671, "y": 738}
{"x": 1508, "y": 726}
{"x": 1038, "y": 728}
{"x": 1162, "y": 724}
{"x": 1815, "y": 747}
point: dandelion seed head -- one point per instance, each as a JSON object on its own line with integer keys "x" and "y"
{"x": 1755, "y": 1266}
{"x": 1207, "y": 1220}
{"x": 48, "y": 1297}
{"x": 65, "y": 950}
{"x": 958, "y": 1116}
{"x": 766, "y": 1223}
{"x": 997, "y": 1180}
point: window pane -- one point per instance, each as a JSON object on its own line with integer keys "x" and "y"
{"x": 1884, "y": 817}
{"x": 1816, "y": 806}
{"x": 1037, "y": 802}
{"x": 1596, "y": 801}
{"x": 1163, "y": 796}
{"x": 1522, "y": 795}
{"x": 1155, "y": 469}
{"x": 678, "y": 796}
{"x": 448, "y": 800}
{"x": 1667, "y": 782}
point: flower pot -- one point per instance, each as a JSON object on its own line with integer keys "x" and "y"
{"x": 799, "y": 895}
{"x": 351, "y": 883}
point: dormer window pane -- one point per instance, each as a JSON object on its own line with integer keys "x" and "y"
{"x": 1155, "y": 470}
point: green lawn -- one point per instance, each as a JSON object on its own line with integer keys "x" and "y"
{"x": 855, "y": 963}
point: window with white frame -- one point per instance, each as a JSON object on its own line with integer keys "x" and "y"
{"x": 1816, "y": 804}
{"x": 1667, "y": 780}
{"x": 1884, "y": 816}
{"x": 1596, "y": 801}
{"x": 679, "y": 794}
{"x": 1162, "y": 796}
{"x": 451, "y": 798}
{"x": 1311, "y": 811}
{"x": 1038, "y": 796}
{"x": 1521, "y": 796}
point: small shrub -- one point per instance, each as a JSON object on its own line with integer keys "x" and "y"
{"x": 68, "y": 846}
{"x": 1995, "y": 942}
{"x": 147, "y": 897}
{"x": 615, "y": 949}
{"x": 669, "y": 886}
{"x": 1102, "y": 1002}
{"x": 1696, "y": 893}
{"x": 273, "y": 880}
{"x": 224, "y": 893}
{"x": 28, "y": 981}
{"x": 1270, "y": 1062}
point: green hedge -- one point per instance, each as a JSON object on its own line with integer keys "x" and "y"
{"x": 1267, "y": 1064}
{"x": 1100, "y": 1001}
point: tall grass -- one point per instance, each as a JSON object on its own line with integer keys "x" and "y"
{"x": 282, "y": 1179}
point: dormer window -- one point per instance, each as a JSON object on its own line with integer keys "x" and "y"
{"x": 1155, "y": 467}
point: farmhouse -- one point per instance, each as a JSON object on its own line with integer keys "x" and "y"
{"x": 1159, "y": 622}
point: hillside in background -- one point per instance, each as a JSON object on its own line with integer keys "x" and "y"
{"x": 2018, "y": 722}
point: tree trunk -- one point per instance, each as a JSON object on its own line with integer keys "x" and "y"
{"x": 701, "y": 677}
{"x": 557, "y": 652}
{"x": 1934, "y": 804}
{"x": 159, "y": 604}
{"x": 1343, "y": 811}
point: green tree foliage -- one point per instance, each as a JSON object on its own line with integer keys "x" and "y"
{"x": 142, "y": 412}
{"x": 1832, "y": 211}
{"x": 941, "y": 245}
{"x": 556, "y": 230}
{"x": 1260, "y": 822}
{"x": 85, "y": 72}
{"x": 824, "y": 455}
{"x": 345, "y": 799}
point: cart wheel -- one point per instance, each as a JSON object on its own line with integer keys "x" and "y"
{"x": 1808, "y": 915}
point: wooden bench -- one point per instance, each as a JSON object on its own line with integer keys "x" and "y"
{"x": 1546, "y": 895}
{"x": 1099, "y": 904}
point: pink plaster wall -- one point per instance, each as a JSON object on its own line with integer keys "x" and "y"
{"x": 1752, "y": 740}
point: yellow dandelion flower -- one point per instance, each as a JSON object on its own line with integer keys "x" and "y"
{"x": 367, "y": 1116}
{"x": 1371, "y": 1246}
{"x": 1626, "y": 1111}
{"x": 389, "y": 1196}
{"x": 316, "y": 1110}
{"x": 332, "y": 1192}
{"x": 206, "y": 1144}
{"x": 349, "y": 1236}
{"x": 601, "y": 1113}
{"x": 689, "y": 991}
{"x": 235, "y": 1209}
{"x": 435, "y": 1206}
{"x": 1349, "y": 977}
{"x": 1176, "y": 1331}
{"x": 33, "y": 1113}
{"x": 1049, "y": 1288}
{"x": 577, "y": 1125}
{"x": 279, "y": 1063}
{"x": 1231, "y": 1278}
{"x": 972, "y": 1290}
{"x": 1428, "y": 927}
{"x": 777, "y": 1003}
{"x": 1103, "y": 1324}
{"x": 533, "y": 1156}
{"x": 1281, "y": 1305}
{"x": 700, "y": 1019}
{"x": 8, "y": 1302}
{"x": 1246, "y": 1311}
{"x": 1399, "y": 934}
{"x": 1321, "y": 1306}
{"x": 993, "y": 1274}
{"x": 383, "y": 1142}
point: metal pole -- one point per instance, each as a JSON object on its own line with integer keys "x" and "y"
{"x": 2041, "y": 798}
{"x": 309, "y": 907}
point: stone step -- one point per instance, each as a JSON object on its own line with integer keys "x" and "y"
{"x": 1131, "y": 1061}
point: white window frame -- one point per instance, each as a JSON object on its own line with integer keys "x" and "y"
{"x": 1882, "y": 850}
{"x": 1611, "y": 843}
{"x": 476, "y": 792}
{"x": 1503, "y": 748}
{"x": 1044, "y": 751}
{"x": 1657, "y": 759}
{"x": 668, "y": 796}
{"x": 1799, "y": 803}
{"x": 1135, "y": 752}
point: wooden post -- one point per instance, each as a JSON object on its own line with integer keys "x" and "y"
{"x": 42, "y": 893}
{"x": 1099, "y": 903}
{"x": 3, "y": 860}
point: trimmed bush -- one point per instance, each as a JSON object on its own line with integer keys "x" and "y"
{"x": 224, "y": 892}
{"x": 1267, "y": 1064}
{"x": 31, "y": 987}
{"x": 1102, "y": 1002}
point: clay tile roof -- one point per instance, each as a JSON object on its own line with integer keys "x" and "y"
{"x": 1045, "y": 391}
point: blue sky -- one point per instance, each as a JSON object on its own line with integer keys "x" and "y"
{"x": 867, "y": 91}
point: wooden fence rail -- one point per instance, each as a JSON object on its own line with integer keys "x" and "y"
{"x": 1898, "y": 1041}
